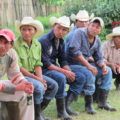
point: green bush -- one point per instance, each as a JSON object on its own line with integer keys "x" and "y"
{"x": 109, "y": 10}
{"x": 45, "y": 20}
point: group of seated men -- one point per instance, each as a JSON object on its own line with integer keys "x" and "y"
{"x": 38, "y": 70}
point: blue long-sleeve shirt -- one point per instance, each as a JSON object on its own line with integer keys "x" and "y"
{"x": 50, "y": 53}
{"x": 79, "y": 45}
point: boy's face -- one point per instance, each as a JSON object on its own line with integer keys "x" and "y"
{"x": 94, "y": 29}
{"x": 27, "y": 32}
{"x": 60, "y": 31}
{"x": 5, "y": 45}
{"x": 80, "y": 24}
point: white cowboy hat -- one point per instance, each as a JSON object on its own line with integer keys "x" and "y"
{"x": 82, "y": 15}
{"x": 30, "y": 21}
{"x": 115, "y": 32}
{"x": 98, "y": 19}
{"x": 63, "y": 21}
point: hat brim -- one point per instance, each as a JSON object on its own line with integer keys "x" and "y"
{"x": 6, "y": 37}
{"x": 39, "y": 28}
{"x": 111, "y": 35}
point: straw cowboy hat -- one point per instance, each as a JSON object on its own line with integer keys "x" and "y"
{"x": 98, "y": 19}
{"x": 82, "y": 15}
{"x": 29, "y": 21}
{"x": 115, "y": 32}
{"x": 63, "y": 21}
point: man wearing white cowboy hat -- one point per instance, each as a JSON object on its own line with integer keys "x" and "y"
{"x": 111, "y": 53}
{"x": 84, "y": 44}
{"x": 53, "y": 49}
{"x": 15, "y": 91}
{"x": 81, "y": 19}
{"x": 29, "y": 54}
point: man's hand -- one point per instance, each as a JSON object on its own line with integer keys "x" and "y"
{"x": 70, "y": 75}
{"x": 25, "y": 86}
{"x": 114, "y": 67}
{"x": 118, "y": 69}
{"x": 93, "y": 69}
{"x": 43, "y": 82}
{"x": 104, "y": 70}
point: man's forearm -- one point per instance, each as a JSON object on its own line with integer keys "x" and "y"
{"x": 54, "y": 67}
{"x": 82, "y": 60}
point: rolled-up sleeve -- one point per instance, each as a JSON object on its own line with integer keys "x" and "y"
{"x": 75, "y": 44}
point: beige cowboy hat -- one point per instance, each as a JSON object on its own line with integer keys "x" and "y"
{"x": 30, "y": 21}
{"x": 82, "y": 15}
{"x": 115, "y": 32}
{"x": 98, "y": 19}
{"x": 63, "y": 21}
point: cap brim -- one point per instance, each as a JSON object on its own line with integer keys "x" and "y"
{"x": 5, "y": 36}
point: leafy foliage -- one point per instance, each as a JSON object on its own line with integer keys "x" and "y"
{"x": 109, "y": 10}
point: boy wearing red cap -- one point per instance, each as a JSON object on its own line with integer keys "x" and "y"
{"x": 13, "y": 92}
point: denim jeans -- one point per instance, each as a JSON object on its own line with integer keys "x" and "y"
{"x": 89, "y": 84}
{"x": 60, "y": 78}
{"x": 52, "y": 88}
{"x": 104, "y": 81}
{"x": 39, "y": 89}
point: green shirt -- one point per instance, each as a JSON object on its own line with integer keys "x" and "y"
{"x": 28, "y": 57}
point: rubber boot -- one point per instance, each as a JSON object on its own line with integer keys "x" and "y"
{"x": 44, "y": 104}
{"x": 103, "y": 104}
{"x": 13, "y": 110}
{"x": 38, "y": 115}
{"x": 60, "y": 103}
{"x": 88, "y": 105}
{"x": 117, "y": 83}
{"x": 69, "y": 99}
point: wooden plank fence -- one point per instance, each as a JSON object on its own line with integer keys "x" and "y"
{"x": 11, "y": 10}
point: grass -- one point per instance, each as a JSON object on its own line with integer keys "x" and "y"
{"x": 114, "y": 99}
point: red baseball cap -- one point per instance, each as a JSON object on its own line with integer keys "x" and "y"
{"x": 8, "y": 34}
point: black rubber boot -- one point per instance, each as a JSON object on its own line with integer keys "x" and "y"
{"x": 117, "y": 83}
{"x": 38, "y": 115}
{"x": 88, "y": 105}
{"x": 69, "y": 99}
{"x": 13, "y": 110}
{"x": 60, "y": 103}
{"x": 44, "y": 104}
{"x": 96, "y": 94}
{"x": 103, "y": 104}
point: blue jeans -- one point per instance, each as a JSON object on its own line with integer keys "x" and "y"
{"x": 60, "y": 78}
{"x": 39, "y": 89}
{"x": 104, "y": 81}
{"x": 89, "y": 84}
{"x": 77, "y": 86}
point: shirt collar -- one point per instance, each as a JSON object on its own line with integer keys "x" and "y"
{"x": 23, "y": 43}
{"x": 52, "y": 36}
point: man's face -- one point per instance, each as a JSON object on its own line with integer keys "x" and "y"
{"x": 27, "y": 32}
{"x": 80, "y": 24}
{"x": 94, "y": 29}
{"x": 60, "y": 31}
{"x": 117, "y": 41}
{"x": 5, "y": 45}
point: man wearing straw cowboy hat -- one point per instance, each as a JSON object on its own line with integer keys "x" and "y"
{"x": 15, "y": 91}
{"x": 84, "y": 44}
{"x": 81, "y": 19}
{"x": 53, "y": 49}
{"x": 111, "y": 53}
{"x": 29, "y": 52}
